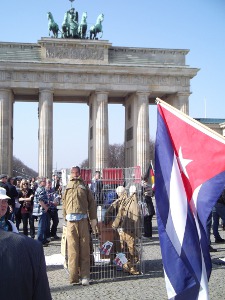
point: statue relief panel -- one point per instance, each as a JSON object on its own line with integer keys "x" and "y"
{"x": 39, "y": 77}
{"x": 124, "y": 78}
{"x": 67, "y": 77}
{"x": 137, "y": 79}
{"x": 167, "y": 80}
{"x": 177, "y": 80}
{"x": 96, "y": 78}
{"x": 81, "y": 78}
{"x": 163, "y": 80}
{"x": 155, "y": 80}
{"x": 4, "y": 76}
{"x": 75, "y": 53}
{"x": 112, "y": 78}
{"x": 53, "y": 77}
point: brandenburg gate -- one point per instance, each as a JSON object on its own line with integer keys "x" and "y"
{"x": 92, "y": 72}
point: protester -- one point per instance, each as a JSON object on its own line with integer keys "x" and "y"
{"x": 128, "y": 220}
{"x": 109, "y": 218}
{"x": 18, "y": 216}
{"x": 3, "y": 180}
{"x": 26, "y": 197}
{"x": 23, "y": 272}
{"x": 208, "y": 227}
{"x": 78, "y": 206}
{"x": 217, "y": 213}
{"x": 150, "y": 212}
{"x": 12, "y": 193}
{"x": 33, "y": 184}
{"x": 96, "y": 188}
{"x": 5, "y": 224}
{"x": 18, "y": 181}
{"x": 40, "y": 209}
{"x": 55, "y": 182}
{"x": 53, "y": 201}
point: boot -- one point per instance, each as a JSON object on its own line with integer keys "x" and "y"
{"x": 133, "y": 271}
{"x": 126, "y": 268}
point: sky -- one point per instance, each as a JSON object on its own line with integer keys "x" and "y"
{"x": 197, "y": 25}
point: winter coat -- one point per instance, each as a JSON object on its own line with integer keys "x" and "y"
{"x": 40, "y": 195}
{"x": 129, "y": 216}
{"x": 112, "y": 211}
{"x": 79, "y": 199}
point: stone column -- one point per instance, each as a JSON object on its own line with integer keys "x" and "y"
{"x": 130, "y": 131}
{"x": 6, "y": 131}
{"x": 45, "y": 133}
{"x": 99, "y": 128}
{"x": 180, "y": 100}
{"x": 143, "y": 151}
{"x": 91, "y": 132}
{"x": 183, "y": 100}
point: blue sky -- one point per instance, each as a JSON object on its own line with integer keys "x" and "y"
{"x": 197, "y": 25}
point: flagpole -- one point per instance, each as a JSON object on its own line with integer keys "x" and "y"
{"x": 205, "y": 105}
{"x": 158, "y": 100}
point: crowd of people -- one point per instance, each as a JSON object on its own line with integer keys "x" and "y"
{"x": 23, "y": 199}
{"x": 26, "y": 201}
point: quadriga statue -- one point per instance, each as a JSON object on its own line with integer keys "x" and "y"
{"x": 72, "y": 29}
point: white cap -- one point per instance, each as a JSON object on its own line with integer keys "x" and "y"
{"x": 3, "y": 194}
{"x": 132, "y": 189}
{"x": 120, "y": 189}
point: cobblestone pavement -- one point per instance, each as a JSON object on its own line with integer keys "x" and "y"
{"x": 149, "y": 286}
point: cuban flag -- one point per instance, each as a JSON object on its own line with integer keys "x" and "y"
{"x": 189, "y": 178}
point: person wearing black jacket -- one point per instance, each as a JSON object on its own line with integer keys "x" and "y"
{"x": 23, "y": 271}
{"x": 3, "y": 180}
{"x": 147, "y": 195}
{"x": 12, "y": 193}
{"x": 26, "y": 197}
{"x": 219, "y": 212}
{"x": 96, "y": 188}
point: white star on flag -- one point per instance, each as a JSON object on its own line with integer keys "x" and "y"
{"x": 183, "y": 163}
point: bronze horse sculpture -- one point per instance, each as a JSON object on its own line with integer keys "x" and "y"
{"x": 82, "y": 29}
{"x": 94, "y": 30}
{"x": 65, "y": 26}
{"x": 52, "y": 25}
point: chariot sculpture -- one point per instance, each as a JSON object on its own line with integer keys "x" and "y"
{"x": 71, "y": 28}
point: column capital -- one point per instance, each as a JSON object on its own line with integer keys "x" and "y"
{"x": 7, "y": 91}
{"x": 142, "y": 96}
{"x": 104, "y": 92}
{"x": 101, "y": 96}
{"x": 146, "y": 93}
{"x": 46, "y": 90}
